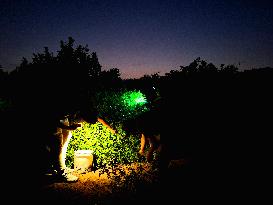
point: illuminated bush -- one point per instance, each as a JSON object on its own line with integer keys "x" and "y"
{"x": 119, "y": 106}
{"x": 110, "y": 149}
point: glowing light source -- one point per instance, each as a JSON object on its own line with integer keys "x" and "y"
{"x": 134, "y": 98}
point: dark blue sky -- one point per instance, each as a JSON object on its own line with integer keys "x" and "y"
{"x": 144, "y": 36}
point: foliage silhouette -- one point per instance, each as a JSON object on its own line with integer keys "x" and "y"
{"x": 210, "y": 112}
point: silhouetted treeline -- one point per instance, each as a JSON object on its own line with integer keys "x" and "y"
{"x": 219, "y": 116}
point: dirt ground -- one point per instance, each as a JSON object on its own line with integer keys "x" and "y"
{"x": 93, "y": 188}
{"x": 184, "y": 182}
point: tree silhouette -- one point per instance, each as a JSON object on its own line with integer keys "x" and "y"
{"x": 3, "y": 83}
{"x": 49, "y": 80}
{"x": 95, "y": 68}
{"x": 209, "y": 111}
{"x": 110, "y": 78}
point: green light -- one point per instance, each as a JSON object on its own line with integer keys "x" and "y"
{"x": 134, "y": 98}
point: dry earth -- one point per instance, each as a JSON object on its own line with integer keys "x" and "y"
{"x": 93, "y": 188}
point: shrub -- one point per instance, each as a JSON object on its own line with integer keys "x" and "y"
{"x": 109, "y": 149}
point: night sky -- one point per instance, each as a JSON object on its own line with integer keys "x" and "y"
{"x": 144, "y": 36}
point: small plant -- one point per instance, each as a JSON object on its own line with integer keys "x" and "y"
{"x": 109, "y": 149}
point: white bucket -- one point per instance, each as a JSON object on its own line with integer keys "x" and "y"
{"x": 83, "y": 160}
